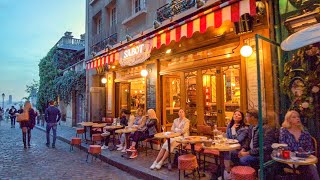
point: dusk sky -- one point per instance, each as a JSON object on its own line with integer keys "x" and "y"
{"x": 29, "y": 29}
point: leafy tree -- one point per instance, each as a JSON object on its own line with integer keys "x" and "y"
{"x": 31, "y": 88}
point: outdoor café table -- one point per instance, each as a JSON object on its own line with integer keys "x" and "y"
{"x": 85, "y": 125}
{"x": 192, "y": 140}
{"x": 100, "y": 125}
{"x": 297, "y": 161}
{"x": 127, "y": 132}
{"x": 223, "y": 147}
{"x": 112, "y": 129}
{"x": 169, "y": 135}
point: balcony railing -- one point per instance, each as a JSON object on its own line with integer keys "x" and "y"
{"x": 68, "y": 42}
{"x": 111, "y": 40}
{"x": 173, "y": 8}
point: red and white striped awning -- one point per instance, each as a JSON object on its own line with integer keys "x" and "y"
{"x": 214, "y": 17}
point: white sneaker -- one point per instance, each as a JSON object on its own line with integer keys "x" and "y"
{"x": 153, "y": 165}
{"x": 159, "y": 165}
{"x": 120, "y": 148}
{"x": 119, "y": 145}
{"x": 123, "y": 150}
{"x": 226, "y": 175}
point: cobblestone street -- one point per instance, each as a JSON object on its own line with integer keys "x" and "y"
{"x": 41, "y": 162}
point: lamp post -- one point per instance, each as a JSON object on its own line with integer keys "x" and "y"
{"x": 3, "y": 95}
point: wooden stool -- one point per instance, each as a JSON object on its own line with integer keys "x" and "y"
{"x": 80, "y": 131}
{"x": 96, "y": 137}
{"x": 94, "y": 150}
{"x": 242, "y": 173}
{"x": 75, "y": 141}
{"x": 188, "y": 162}
{"x": 104, "y": 135}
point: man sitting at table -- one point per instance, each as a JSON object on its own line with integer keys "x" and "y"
{"x": 249, "y": 154}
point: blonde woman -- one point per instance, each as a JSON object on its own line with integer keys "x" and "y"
{"x": 180, "y": 125}
{"x": 293, "y": 134}
{"x": 145, "y": 131}
{"x": 27, "y": 126}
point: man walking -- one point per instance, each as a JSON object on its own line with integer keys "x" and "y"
{"x": 52, "y": 117}
{"x": 12, "y": 113}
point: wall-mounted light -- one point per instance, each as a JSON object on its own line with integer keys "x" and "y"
{"x": 168, "y": 51}
{"x": 199, "y": 3}
{"x": 104, "y": 80}
{"x": 156, "y": 24}
{"x": 144, "y": 73}
{"x": 246, "y": 51}
{"x": 128, "y": 37}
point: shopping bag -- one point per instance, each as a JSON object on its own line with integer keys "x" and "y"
{"x": 23, "y": 117}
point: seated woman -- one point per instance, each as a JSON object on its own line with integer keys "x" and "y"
{"x": 144, "y": 132}
{"x": 128, "y": 120}
{"x": 293, "y": 134}
{"x": 180, "y": 125}
{"x": 238, "y": 130}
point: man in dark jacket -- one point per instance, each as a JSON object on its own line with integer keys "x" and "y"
{"x": 12, "y": 113}
{"x": 249, "y": 154}
{"x": 52, "y": 117}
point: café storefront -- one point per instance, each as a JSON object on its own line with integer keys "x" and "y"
{"x": 194, "y": 64}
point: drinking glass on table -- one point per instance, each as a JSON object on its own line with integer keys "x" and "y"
{"x": 162, "y": 127}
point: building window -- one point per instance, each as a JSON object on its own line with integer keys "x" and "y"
{"x": 138, "y": 5}
{"x": 98, "y": 23}
{"x": 113, "y": 16}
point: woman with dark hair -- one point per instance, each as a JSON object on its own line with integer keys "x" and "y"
{"x": 238, "y": 130}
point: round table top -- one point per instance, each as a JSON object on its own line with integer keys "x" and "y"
{"x": 113, "y": 127}
{"x": 224, "y": 147}
{"x": 126, "y": 130}
{"x": 99, "y": 125}
{"x": 192, "y": 139}
{"x": 87, "y": 123}
{"x": 297, "y": 160}
{"x": 166, "y": 135}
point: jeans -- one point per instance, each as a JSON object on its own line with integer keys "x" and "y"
{"x": 249, "y": 160}
{"x": 54, "y": 130}
{"x": 13, "y": 120}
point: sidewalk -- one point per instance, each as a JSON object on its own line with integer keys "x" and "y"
{"x": 138, "y": 167}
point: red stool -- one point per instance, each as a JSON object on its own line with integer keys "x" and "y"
{"x": 80, "y": 131}
{"x": 96, "y": 137}
{"x": 188, "y": 162}
{"x": 242, "y": 173}
{"x": 94, "y": 150}
{"x": 75, "y": 141}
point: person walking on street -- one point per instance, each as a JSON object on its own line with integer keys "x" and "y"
{"x": 52, "y": 117}
{"x": 27, "y": 126}
{"x": 12, "y": 113}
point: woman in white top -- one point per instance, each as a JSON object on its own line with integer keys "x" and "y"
{"x": 180, "y": 125}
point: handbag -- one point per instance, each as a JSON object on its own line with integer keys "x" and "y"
{"x": 23, "y": 117}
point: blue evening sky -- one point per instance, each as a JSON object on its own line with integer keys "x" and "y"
{"x": 28, "y": 30}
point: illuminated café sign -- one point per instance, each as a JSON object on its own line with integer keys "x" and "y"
{"x": 135, "y": 55}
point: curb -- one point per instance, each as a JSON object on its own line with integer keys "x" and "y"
{"x": 131, "y": 170}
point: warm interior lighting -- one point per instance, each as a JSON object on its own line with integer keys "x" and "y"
{"x": 144, "y": 73}
{"x": 104, "y": 80}
{"x": 113, "y": 67}
{"x": 168, "y": 51}
{"x": 246, "y": 51}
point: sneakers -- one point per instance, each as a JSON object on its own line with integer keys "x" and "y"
{"x": 134, "y": 155}
{"x": 226, "y": 175}
{"x": 47, "y": 144}
{"x": 123, "y": 150}
{"x": 53, "y": 146}
{"x": 132, "y": 148}
{"x": 159, "y": 165}
{"x": 120, "y": 148}
{"x": 153, "y": 165}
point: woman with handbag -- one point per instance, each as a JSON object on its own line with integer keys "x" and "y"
{"x": 27, "y": 122}
{"x": 144, "y": 132}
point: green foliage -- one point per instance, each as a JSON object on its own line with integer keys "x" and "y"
{"x": 70, "y": 82}
{"x": 51, "y": 68}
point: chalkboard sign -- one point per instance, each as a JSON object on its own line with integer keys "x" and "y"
{"x": 151, "y": 86}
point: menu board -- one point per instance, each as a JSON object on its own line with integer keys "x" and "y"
{"x": 151, "y": 86}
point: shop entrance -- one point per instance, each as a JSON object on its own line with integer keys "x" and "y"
{"x": 131, "y": 94}
{"x": 220, "y": 94}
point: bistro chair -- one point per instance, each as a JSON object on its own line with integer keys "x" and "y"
{"x": 94, "y": 150}
{"x": 80, "y": 131}
{"x": 96, "y": 137}
{"x": 75, "y": 141}
{"x": 188, "y": 162}
{"x": 243, "y": 173}
{"x": 151, "y": 141}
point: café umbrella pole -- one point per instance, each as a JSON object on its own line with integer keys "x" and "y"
{"x": 261, "y": 155}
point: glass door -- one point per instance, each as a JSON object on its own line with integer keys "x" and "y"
{"x": 124, "y": 98}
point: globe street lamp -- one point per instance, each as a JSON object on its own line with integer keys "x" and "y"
{"x": 3, "y": 95}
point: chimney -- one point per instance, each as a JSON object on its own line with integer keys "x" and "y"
{"x": 82, "y": 36}
{"x": 68, "y": 34}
